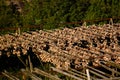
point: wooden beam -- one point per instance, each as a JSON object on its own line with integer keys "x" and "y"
{"x": 65, "y": 73}
{"x": 97, "y": 74}
{"x": 28, "y": 73}
{"x": 38, "y": 71}
{"x": 113, "y": 64}
{"x": 81, "y": 73}
{"x": 77, "y": 74}
{"x": 88, "y": 74}
{"x": 112, "y": 70}
{"x": 30, "y": 63}
{"x": 8, "y": 75}
{"x": 98, "y": 71}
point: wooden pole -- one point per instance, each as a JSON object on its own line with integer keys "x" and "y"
{"x": 111, "y": 22}
{"x": 97, "y": 74}
{"x": 30, "y": 63}
{"x": 79, "y": 75}
{"x": 98, "y": 71}
{"x": 38, "y": 71}
{"x": 109, "y": 69}
{"x": 8, "y": 75}
{"x": 84, "y": 24}
{"x": 65, "y": 73}
{"x": 28, "y": 73}
{"x": 19, "y": 32}
{"x": 88, "y": 74}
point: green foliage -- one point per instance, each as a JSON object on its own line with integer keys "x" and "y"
{"x": 5, "y": 15}
{"x": 52, "y": 12}
{"x": 102, "y": 9}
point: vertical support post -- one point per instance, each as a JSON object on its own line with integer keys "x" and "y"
{"x": 84, "y": 24}
{"x": 16, "y": 32}
{"x": 27, "y": 64}
{"x": 111, "y": 22}
{"x": 88, "y": 74}
{"x": 19, "y": 30}
{"x": 30, "y": 63}
{"x": 113, "y": 73}
{"x": 24, "y": 77}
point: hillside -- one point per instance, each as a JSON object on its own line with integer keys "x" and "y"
{"x": 49, "y": 13}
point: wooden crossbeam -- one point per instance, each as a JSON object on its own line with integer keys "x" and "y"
{"x": 98, "y": 71}
{"x": 65, "y": 73}
{"x": 38, "y": 71}
{"x": 28, "y": 73}
{"x": 109, "y": 69}
{"x": 76, "y": 74}
{"x": 115, "y": 78}
{"x": 113, "y": 64}
{"x": 80, "y": 73}
{"x": 8, "y": 75}
{"x": 97, "y": 74}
